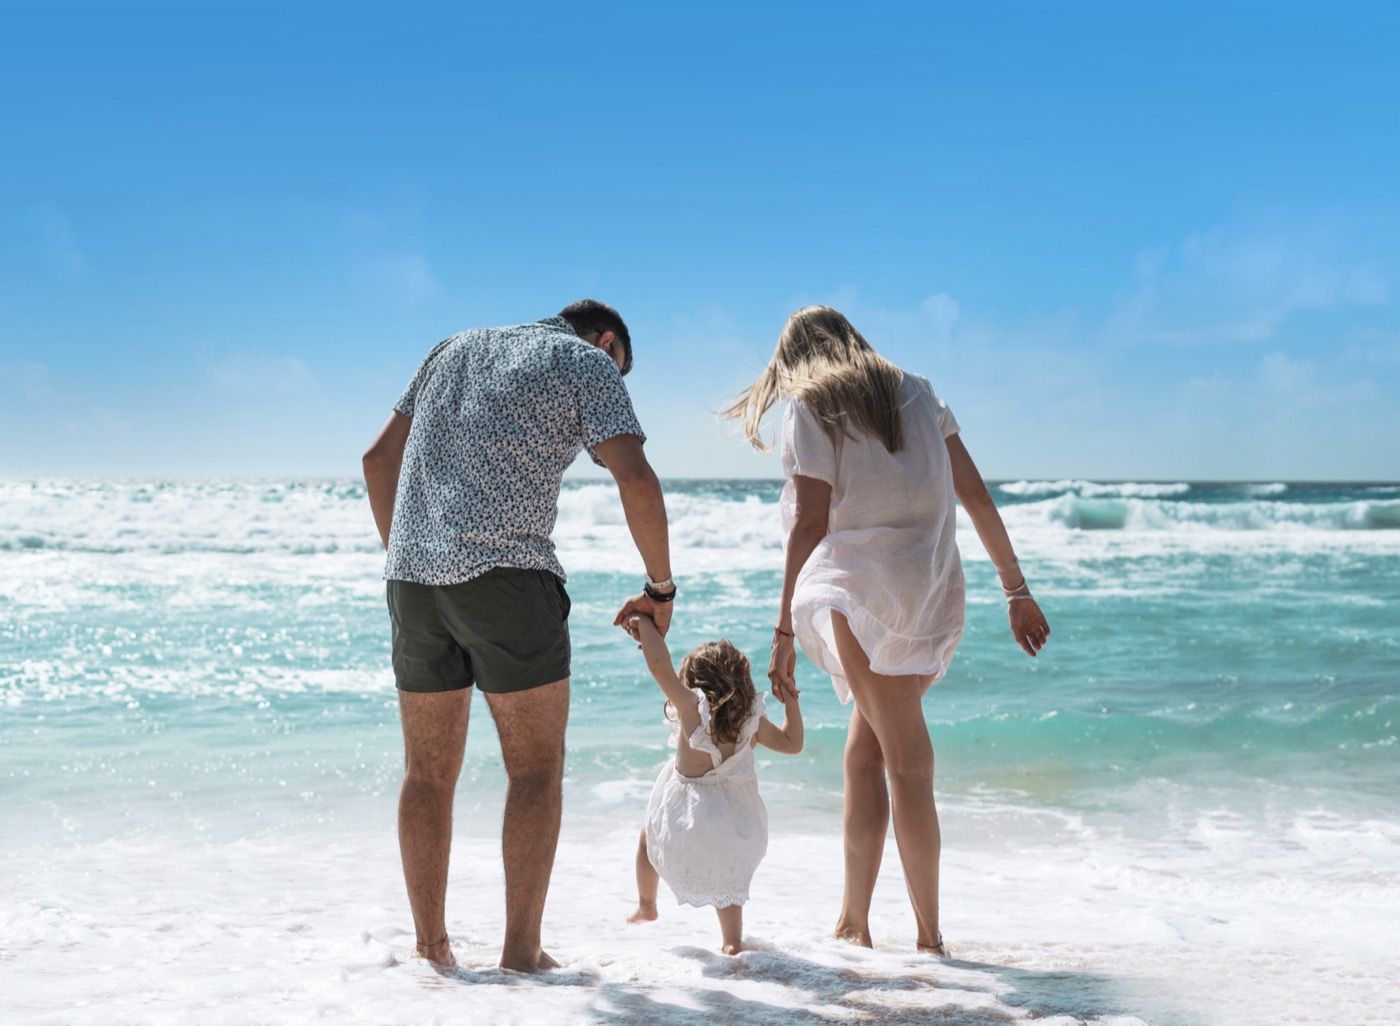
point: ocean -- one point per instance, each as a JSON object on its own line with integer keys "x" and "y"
{"x": 1185, "y": 811}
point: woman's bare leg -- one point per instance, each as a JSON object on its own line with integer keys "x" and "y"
{"x": 648, "y": 879}
{"x": 893, "y": 708}
{"x": 865, "y": 820}
{"x": 731, "y": 928}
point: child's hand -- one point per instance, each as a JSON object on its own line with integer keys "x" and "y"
{"x": 633, "y": 626}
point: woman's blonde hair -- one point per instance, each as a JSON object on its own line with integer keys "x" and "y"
{"x": 722, "y": 672}
{"x": 822, "y": 360}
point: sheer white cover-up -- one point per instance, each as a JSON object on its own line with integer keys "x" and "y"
{"x": 706, "y": 835}
{"x": 890, "y": 560}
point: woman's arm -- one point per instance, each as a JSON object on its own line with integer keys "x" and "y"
{"x": 1028, "y": 624}
{"x": 659, "y": 663}
{"x": 808, "y": 529}
{"x": 786, "y": 739}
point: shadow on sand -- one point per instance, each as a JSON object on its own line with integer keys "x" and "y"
{"x": 777, "y": 988}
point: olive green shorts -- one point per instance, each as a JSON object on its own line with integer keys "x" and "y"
{"x": 507, "y": 630}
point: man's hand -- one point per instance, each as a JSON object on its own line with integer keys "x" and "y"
{"x": 658, "y": 612}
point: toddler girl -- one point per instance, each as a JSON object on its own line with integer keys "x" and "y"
{"x": 707, "y": 828}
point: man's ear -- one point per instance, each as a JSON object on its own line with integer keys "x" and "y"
{"x": 605, "y": 341}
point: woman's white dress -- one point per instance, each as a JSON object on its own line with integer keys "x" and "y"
{"x": 706, "y": 835}
{"x": 890, "y": 559}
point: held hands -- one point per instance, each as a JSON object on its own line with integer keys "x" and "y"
{"x": 1028, "y": 624}
{"x": 782, "y": 668}
{"x": 659, "y": 613}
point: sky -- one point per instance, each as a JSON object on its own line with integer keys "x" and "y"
{"x": 1154, "y": 241}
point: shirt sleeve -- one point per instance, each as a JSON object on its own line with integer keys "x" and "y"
{"x": 947, "y": 423}
{"x": 409, "y": 399}
{"x": 807, "y": 448}
{"x": 605, "y": 408}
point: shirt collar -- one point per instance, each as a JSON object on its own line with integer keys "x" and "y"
{"x": 559, "y": 322}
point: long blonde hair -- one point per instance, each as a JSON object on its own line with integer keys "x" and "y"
{"x": 823, "y": 361}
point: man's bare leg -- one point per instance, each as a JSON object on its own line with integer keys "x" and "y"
{"x": 648, "y": 881}
{"x": 531, "y": 726}
{"x": 434, "y": 737}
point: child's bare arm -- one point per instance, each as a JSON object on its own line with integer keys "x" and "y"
{"x": 788, "y": 738}
{"x": 658, "y": 658}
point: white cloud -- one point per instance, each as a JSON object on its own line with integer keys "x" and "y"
{"x": 399, "y": 281}
{"x": 253, "y": 374}
{"x": 1219, "y": 287}
{"x": 1281, "y": 374}
{"x": 58, "y": 243}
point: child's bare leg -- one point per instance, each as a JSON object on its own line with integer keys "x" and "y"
{"x": 731, "y": 927}
{"x": 648, "y": 880}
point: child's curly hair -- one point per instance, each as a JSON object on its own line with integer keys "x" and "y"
{"x": 722, "y": 672}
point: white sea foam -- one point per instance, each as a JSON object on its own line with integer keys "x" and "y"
{"x": 290, "y": 530}
{"x": 1047, "y": 919}
{"x": 1095, "y": 489}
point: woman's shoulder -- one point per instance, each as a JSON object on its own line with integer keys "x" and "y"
{"x": 916, "y": 385}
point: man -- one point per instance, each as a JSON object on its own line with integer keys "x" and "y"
{"x": 464, "y": 484}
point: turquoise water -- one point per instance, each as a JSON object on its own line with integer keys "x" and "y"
{"x": 215, "y": 655}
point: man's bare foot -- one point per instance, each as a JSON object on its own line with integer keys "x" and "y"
{"x": 646, "y": 912}
{"x": 732, "y": 948}
{"x": 853, "y": 934}
{"x": 439, "y": 953}
{"x": 537, "y": 962}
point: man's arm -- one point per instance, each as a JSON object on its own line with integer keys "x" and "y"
{"x": 645, "y": 508}
{"x": 381, "y": 464}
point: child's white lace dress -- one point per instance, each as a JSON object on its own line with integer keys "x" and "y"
{"x": 706, "y": 835}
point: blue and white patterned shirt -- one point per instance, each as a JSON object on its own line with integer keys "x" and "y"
{"x": 498, "y": 415}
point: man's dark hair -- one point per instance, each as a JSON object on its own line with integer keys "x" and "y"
{"x": 589, "y": 315}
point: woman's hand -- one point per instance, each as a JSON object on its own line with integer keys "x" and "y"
{"x": 782, "y": 668}
{"x": 1028, "y": 624}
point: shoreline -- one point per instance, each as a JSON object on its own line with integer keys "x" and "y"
{"x": 247, "y": 931}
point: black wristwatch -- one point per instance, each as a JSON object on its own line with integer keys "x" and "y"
{"x": 649, "y": 589}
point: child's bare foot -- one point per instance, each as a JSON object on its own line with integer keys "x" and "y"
{"x": 854, "y": 933}
{"x": 439, "y": 953}
{"x": 646, "y": 912}
{"x": 732, "y": 947}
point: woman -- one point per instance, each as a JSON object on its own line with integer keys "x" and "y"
{"x": 873, "y": 586}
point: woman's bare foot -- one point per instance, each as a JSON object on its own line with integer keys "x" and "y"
{"x": 939, "y": 949}
{"x": 732, "y": 947}
{"x": 853, "y": 933}
{"x": 537, "y": 962}
{"x": 646, "y": 912}
{"x": 439, "y": 953}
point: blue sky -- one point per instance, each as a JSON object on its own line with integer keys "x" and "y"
{"x": 1123, "y": 240}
